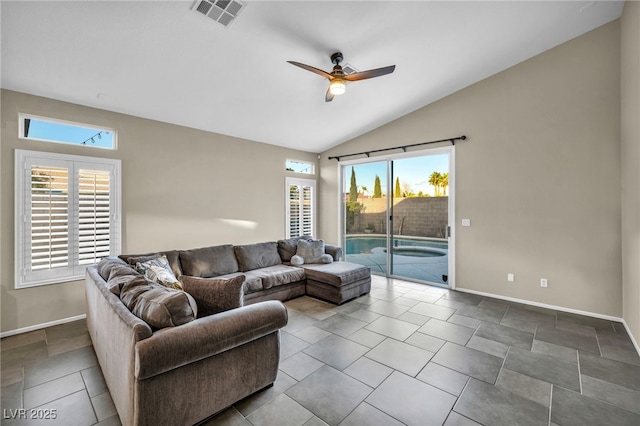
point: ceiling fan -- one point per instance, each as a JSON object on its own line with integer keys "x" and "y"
{"x": 338, "y": 79}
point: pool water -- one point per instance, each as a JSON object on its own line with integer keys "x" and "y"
{"x": 403, "y": 246}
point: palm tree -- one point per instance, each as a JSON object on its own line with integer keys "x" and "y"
{"x": 434, "y": 179}
{"x": 444, "y": 183}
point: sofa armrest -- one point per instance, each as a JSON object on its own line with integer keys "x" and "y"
{"x": 174, "y": 347}
{"x": 334, "y": 251}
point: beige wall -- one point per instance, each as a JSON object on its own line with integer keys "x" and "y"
{"x": 539, "y": 176}
{"x": 181, "y": 188}
{"x": 630, "y": 125}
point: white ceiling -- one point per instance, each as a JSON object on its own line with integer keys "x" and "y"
{"x": 163, "y": 61}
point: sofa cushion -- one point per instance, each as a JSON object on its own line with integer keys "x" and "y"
{"x": 254, "y": 256}
{"x": 277, "y": 275}
{"x": 119, "y": 277}
{"x": 215, "y": 295}
{"x": 310, "y": 252}
{"x": 158, "y": 270}
{"x": 209, "y": 261}
{"x": 107, "y": 264}
{"x": 156, "y": 304}
{"x": 287, "y": 248}
{"x": 172, "y": 257}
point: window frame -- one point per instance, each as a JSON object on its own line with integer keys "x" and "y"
{"x": 24, "y": 277}
{"x": 23, "y": 116}
{"x": 289, "y": 181}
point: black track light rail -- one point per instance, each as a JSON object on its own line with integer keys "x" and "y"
{"x": 403, "y": 147}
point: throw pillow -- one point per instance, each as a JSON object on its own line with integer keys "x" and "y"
{"x": 158, "y": 270}
{"x": 310, "y": 252}
{"x": 157, "y": 305}
{"x": 215, "y": 295}
{"x": 287, "y": 248}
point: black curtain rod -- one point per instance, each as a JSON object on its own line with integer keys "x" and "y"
{"x": 403, "y": 147}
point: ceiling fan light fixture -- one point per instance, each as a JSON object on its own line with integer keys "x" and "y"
{"x": 337, "y": 87}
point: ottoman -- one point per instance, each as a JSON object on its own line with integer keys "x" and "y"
{"x": 337, "y": 282}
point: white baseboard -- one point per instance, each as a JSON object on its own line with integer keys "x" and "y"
{"x": 557, "y": 308}
{"x": 39, "y": 326}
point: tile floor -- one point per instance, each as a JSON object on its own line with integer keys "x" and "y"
{"x": 404, "y": 354}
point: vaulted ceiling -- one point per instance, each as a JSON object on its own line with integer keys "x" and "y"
{"x": 162, "y": 60}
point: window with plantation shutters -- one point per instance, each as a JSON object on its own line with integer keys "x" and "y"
{"x": 67, "y": 215}
{"x": 300, "y": 207}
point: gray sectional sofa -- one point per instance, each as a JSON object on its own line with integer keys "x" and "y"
{"x": 178, "y": 357}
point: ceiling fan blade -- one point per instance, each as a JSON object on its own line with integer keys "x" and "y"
{"x": 363, "y": 75}
{"x": 328, "y": 97}
{"x": 312, "y": 69}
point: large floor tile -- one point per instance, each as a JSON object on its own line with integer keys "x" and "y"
{"x": 388, "y": 309}
{"x": 471, "y": 362}
{"x": 336, "y": 351}
{"x": 49, "y": 391}
{"x": 71, "y": 410}
{"x": 434, "y": 311}
{"x": 282, "y": 410}
{"x": 341, "y": 324}
{"x": 492, "y": 315}
{"x": 290, "y": 345}
{"x": 464, "y": 298}
{"x": 400, "y": 356}
{"x": 613, "y": 394}
{"x": 560, "y": 352}
{"x": 329, "y": 394}
{"x": 543, "y": 367}
{"x": 368, "y": 371}
{"x": 22, "y": 339}
{"x": 258, "y": 399}
{"x": 392, "y": 327}
{"x": 507, "y": 335}
{"x": 533, "y": 389}
{"x": 447, "y": 331}
{"x": 66, "y": 331}
{"x": 426, "y": 342}
{"x": 443, "y": 378}
{"x": 456, "y": 419}
{"x": 367, "y": 338}
{"x": 490, "y": 405}
{"x": 488, "y": 346}
{"x": 570, "y": 408}
{"x": 366, "y": 414}
{"x": 619, "y": 373}
{"x": 59, "y": 366}
{"x": 568, "y": 339}
{"x": 300, "y": 365}
{"x": 411, "y": 401}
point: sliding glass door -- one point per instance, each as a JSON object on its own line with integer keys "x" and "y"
{"x": 397, "y": 215}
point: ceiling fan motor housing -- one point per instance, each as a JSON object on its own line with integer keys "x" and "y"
{"x": 336, "y": 58}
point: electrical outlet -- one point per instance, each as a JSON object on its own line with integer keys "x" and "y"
{"x": 510, "y": 277}
{"x": 543, "y": 282}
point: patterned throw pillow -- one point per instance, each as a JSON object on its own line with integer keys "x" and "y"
{"x": 158, "y": 270}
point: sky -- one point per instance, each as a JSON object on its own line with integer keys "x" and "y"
{"x": 413, "y": 171}
{"x": 60, "y": 132}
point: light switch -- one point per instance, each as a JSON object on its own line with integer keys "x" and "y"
{"x": 466, "y": 222}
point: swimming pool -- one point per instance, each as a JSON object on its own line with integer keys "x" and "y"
{"x": 414, "y": 247}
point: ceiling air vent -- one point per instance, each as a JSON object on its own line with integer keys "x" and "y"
{"x": 348, "y": 69}
{"x": 222, "y": 11}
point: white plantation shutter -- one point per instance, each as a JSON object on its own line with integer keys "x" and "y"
{"x": 94, "y": 222}
{"x": 67, "y": 215}
{"x": 300, "y": 207}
